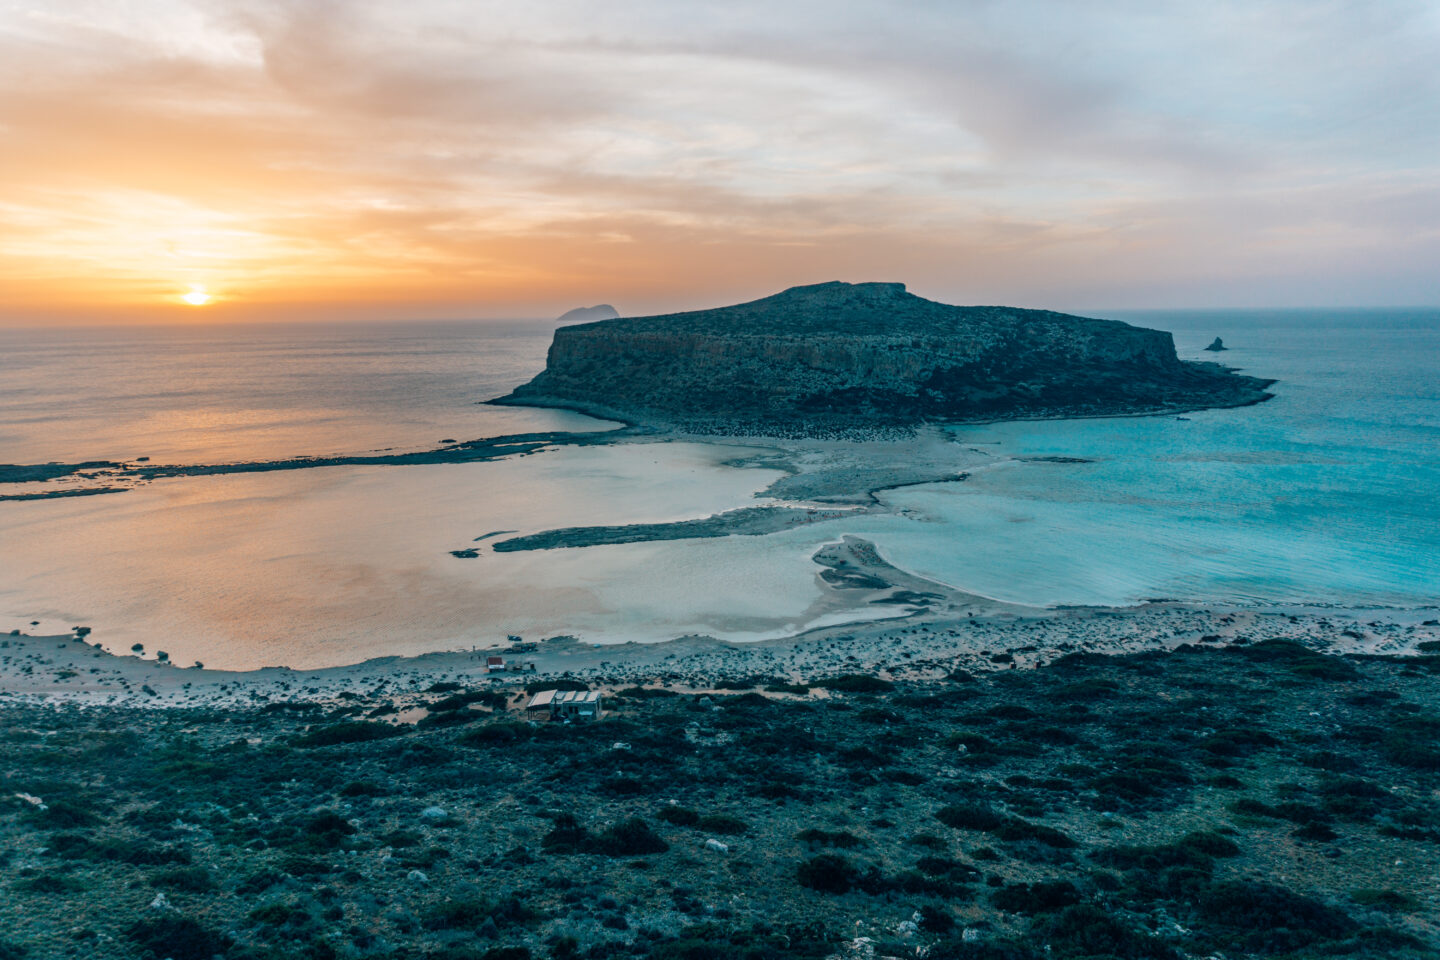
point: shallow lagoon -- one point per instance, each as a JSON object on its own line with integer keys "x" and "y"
{"x": 1327, "y": 494}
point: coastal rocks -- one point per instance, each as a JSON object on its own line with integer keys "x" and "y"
{"x": 1217, "y": 345}
{"x": 836, "y": 356}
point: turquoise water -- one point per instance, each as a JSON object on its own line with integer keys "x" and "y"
{"x": 1329, "y": 493}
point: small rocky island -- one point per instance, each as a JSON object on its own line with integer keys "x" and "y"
{"x": 840, "y": 356}
{"x": 601, "y": 311}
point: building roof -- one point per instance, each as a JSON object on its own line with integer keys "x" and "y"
{"x": 550, "y": 698}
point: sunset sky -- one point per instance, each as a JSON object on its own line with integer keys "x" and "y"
{"x": 430, "y": 158}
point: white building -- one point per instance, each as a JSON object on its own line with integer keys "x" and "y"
{"x": 568, "y": 704}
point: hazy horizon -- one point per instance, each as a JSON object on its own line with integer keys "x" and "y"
{"x": 440, "y": 160}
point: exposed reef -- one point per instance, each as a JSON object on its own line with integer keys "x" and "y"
{"x": 836, "y": 356}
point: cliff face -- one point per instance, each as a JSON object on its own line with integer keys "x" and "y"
{"x": 838, "y": 355}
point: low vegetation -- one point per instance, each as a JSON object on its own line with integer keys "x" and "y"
{"x": 1262, "y": 801}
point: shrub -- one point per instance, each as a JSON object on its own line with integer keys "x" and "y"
{"x": 679, "y": 816}
{"x": 63, "y": 815}
{"x": 471, "y": 914}
{"x": 76, "y": 846}
{"x": 827, "y": 873}
{"x": 535, "y": 686}
{"x": 506, "y": 953}
{"x": 1210, "y": 843}
{"x": 935, "y": 919}
{"x": 629, "y": 839}
{"x": 259, "y": 882}
{"x": 350, "y": 731}
{"x": 1088, "y": 931}
{"x": 1042, "y": 897}
{"x": 827, "y": 838}
{"x": 179, "y": 938}
{"x": 566, "y": 836}
{"x": 969, "y": 817}
{"x": 956, "y": 870}
{"x": 1391, "y": 901}
{"x": 1263, "y": 917}
{"x": 723, "y": 823}
{"x": 496, "y": 733}
{"x": 49, "y": 883}
{"x": 1015, "y": 830}
{"x": 188, "y": 879}
{"x": 855, "y": 683}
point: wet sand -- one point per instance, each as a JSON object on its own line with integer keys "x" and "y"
{"x": 924, "y": 630}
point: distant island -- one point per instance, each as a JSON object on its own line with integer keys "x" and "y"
{"x": 601, "y": 311}
{"x": 837, "y": 356}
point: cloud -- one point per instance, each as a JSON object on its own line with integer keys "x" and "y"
{"x": 462, "y": 158}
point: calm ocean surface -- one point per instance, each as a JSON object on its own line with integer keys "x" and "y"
{"x": 1330, "y": 493}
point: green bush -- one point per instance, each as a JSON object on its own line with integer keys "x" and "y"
{"x": 632, "y": 838}
{"x": 350, "y": 731}
{"x": 1042, "y": 897}
{"x": 1087, "y": 931}
{"x": 855, "y": 683}
{"x": 827, "y": 838}
{"x": 1391, "y": 901}
{"x": 969, "y": 817}
{"x": 536, "y": 686}
{"x": 496, "y": 733}
{"x": 679, "y": 816}
{"x": 77, "y": 846}
{"x": 49, "y": 883}
{"x": 1262, "y": 917}
{"x": 722, "y": 823}
{"x": 827, "y": 873}
{"x": 1015, "y": 830}
{"x": 188, "y": 879}
{"x": 178, "y": 938}
{"x": 472, "y": 913}
{"x": 63, "y": 815}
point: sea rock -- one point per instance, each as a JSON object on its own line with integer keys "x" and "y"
{"x": 1217, "y": 345}
{"x": 831, "y": 356}
{"x": 601, "y": 311}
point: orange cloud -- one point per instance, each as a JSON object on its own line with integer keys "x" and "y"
{"x": 437, "y": 159}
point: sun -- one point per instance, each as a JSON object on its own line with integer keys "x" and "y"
{"x": 197, "y": 297}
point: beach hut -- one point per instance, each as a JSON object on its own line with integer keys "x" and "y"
{"x": 495, "y": 664}
{"x": 568, "y": 704}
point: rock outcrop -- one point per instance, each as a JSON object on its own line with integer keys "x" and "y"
{"x": 601, "y": 311}
{"x": 1217, "y": 345}
{"x": 837, "y": 356}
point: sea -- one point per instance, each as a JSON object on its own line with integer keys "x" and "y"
{"x": 1327, "y": 495}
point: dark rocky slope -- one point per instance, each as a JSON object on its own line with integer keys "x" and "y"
{"x": 840, "y": 355}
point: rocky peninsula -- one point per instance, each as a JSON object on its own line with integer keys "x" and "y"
{"x": 836, "y": 357}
